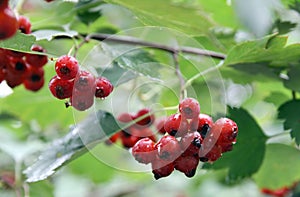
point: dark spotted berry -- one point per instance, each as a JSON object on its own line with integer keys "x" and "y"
{"x": 227, "y": 130}
{"x": 24, "y": 25}
{"x": 161, "y": 168}
{"x": 204, "y": 124}
{"x": 60, "y": 88}
{"x": 8, "y": 22}
{"x": 144, "y": 151}
{"x": 103, "y": 87}
{"x": 147, "y": 121}
{"x": 187, "y": 165}
{"x": 175, "y": 125}
{"x": 168, "y": 148}
{"x": 35, "y": 79}
{"x": 82, "y": 100}
{"x": 37, "y": 60}
{"x": 66, "y": 67}
{"x": 85, "y": 82}
{"x": 191, "y": 143}
{"x": 189, "y": 108}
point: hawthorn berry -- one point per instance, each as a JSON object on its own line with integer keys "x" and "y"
{"x": 66, "y": 67}
{"x": 160, "y": 126}
{"x": 226, "y": 129}
{"x": 37, "y": 60}
{"x": 144, "y": 151}
{"x": 103, "y": 87}
{"x": 189, "y": 108}
{"x": 147, "y": 121}
{"x": 8, "y": 22}
{"x": 175, "y": 125}
{"x": 204, "y": 124}
{"x": 125, "y": 117}
{"x": 161, "y": 168}
{"x": 85, "y": 82}
{"x": 190, "y": 144}
{"x": 168, "y": 148}
{"x": 60, "y": 88}
{"x": 128, "y": 140}
{"x": 82, "y": 100}
{"x": 214, "y": 153}
{"x": 187, "y": 165}
{"x": 35, "y": 80}
{"x": 113, "y": 139}
{"x": 24, "y": 25}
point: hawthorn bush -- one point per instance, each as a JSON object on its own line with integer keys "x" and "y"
{"x": 124, "y": 98}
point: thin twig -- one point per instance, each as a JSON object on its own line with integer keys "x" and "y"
{"x": 135, "y": 41}
{"x": 294, "y": 95}
{"x": 77, "y": 47}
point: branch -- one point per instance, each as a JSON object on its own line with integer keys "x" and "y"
{"x": 174, "y": 50}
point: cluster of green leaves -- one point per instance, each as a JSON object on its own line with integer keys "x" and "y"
{"x": 269, "y": 64}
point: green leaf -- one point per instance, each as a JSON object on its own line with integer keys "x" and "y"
{"x": 168, "y": 14}
{"x": 130, "y": 58}
{"x": 271, "y": 50}
{"x": 43, "y": 187}
{"x": 19, "y": 42}
{"x": 94, "y": 128}
{"x": 89, "y": 11}
{"x": 289, "y": 111}
{"x": 247, "y": 155}
{"x": 50, "y": 34}
{"x": 116, "y": 74}
{"x": 293, "y": 81}
{"x": 280, "y": 167}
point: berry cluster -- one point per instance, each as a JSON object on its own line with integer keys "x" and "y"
{"x": 79, "y": 86}
{"x": 141, "y": 129}
{"x": 189, "y": 137}
{"x": 23, "y": 68}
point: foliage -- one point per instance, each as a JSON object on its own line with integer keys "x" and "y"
{"x": 253, "y": 79}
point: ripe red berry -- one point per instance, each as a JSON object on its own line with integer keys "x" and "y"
{"x": 81, "y": 100}
{"x": 35, "y": 80}
{"x": 204, "y": 124}
{"x": 144, "y": 151}
{"x": 8, "y": 22}
{"x": 13, "y": 79}
{"x": 190, "y": 144}
{"x": 2, "y": 74}
{"x": 177, "y": 126}
{"x": 148, "y": 120}
{"x": 161, "y": 168}
{"x": 3, "y": 4}
{"x": 187, "y": 165}
{"x": 61, "y": 89}
{"x": 66, "y": 67}
{"x": 214, "y": 153}
{"x": 18, "y": 66}
{"x": 281, "y": 192}
{"x": 189, "y": 108}
{"x": 103, "y": 87}
{"x": 85, "y": 82}
{"x": 37, "y": 60}
{"x": 128, "y": 140}
{"x": 113, "y": 139}
{"x": 24, "y": 25}
{"x": 168, "y": 148}
{"x": 125, "y": 117}
{"x": 227, "y": 130}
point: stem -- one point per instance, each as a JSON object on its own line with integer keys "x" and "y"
{"x": 170, "y": 49}
{"x": 179, "y": 75}
{"x": 294, "y": 95}
{"x": 77, "y": 47}
{"x": 190, "y": 81}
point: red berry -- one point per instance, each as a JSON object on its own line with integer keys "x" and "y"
{"x": 35, "y": 80}
{"x": 24, "y": 25}
{"x": 128, "y": 140}
{"x": 143, "y": 132}
{"x": 214, "y": 153}
{"x": 177, "y": 126}
{"x": 37, "y": 60}
{"x": 18, "y": 66}
{"x": 13, "y": 80}
{"x": 144, "y": 151}
{"x": 8, "y": 23}
{"x": 113, "y": 139}
{"x": 168, "y": 148}
{"x": 103, "y": 87}
{"x": 61, "y": 89}
{"x": 66, "y": 67}
{"x": 187, "y": 165}
{"x": 226, "y": 146}
{"x": 81, "y": 100}
{"x": 226, "y": 129}
{"x": 148, "y": 120}
{"x": 190, "y": 144}
{"x": 2, "y": 74}
{"x": 3, "y": 4}
{"x": 125, "y": 118}
{"x": 204, "y": 124}
{"x": 281, "y": 192}
{"x": 161, "y": 168}
{"x": 85, "y": 82}
{"x": 189, "y": 108}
